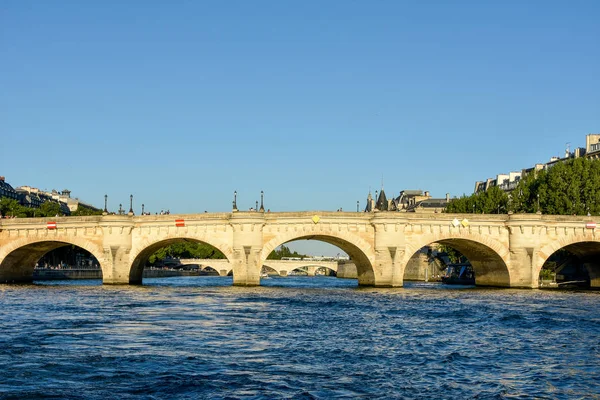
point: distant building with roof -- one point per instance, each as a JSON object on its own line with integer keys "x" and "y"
{"x": 6, "y": 190}
{"x": 32, "y": 197}
{"x": 408, "y": 201}
{"x": 508, "y": 182}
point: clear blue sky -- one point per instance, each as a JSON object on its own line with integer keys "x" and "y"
{"x": 181, "y": 103}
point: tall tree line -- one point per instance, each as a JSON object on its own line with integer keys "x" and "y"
{"x": 571, "y": 187}
{"x": 186, "y": 250}
{"x": 204, "y": 251}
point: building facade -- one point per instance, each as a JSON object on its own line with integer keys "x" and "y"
{"x": 508, "y": 182}
{"x": 32, "y": 197}
{"x": 416, "y": 201}
{"x": 6, "y": 190}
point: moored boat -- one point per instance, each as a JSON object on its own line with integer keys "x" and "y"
{"x": 459, "y": 274}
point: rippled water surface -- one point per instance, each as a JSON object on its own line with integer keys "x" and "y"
{"x": 304, "y": 338}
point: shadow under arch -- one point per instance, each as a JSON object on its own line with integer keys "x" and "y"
{"x": 19, "y": 259}
{"x": 313, "y": 267}
{"x": 587, "y": 252}
{"x": 364, "y": 266}
{"x": 328, "y": 271}
{"x": 209, "y": 270}
{"x": 269, "y": 270}
{"x": 141, "y": 258}
{"x": 489, "y": 266}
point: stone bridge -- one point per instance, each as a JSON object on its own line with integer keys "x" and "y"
{"x": 505, "y": 250}
{"x": 281, "y": 267}
{"x": 222, "y": 266}
{"x": 284, "y": 267}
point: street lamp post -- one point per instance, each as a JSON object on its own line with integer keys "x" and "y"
{"x": 120, "y": 209}
{"x": 256, "y": 208}
{"x": 105, "y": 202}
{"x": 142, "y": 208}
{"x": 130, "y": 204}
{"x": 235, "y": 201}
{"x": 473, "y": 208}
{"x": 538, "y": 203}
{"x": 357, "y": 202}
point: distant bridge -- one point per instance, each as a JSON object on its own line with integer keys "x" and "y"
{"x": 281, "y": 267}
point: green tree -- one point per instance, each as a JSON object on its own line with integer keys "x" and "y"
{"x": 12, "y": 208}
{"x": 571, "y": 187}
{"x": 492, "y": 201}
{"x": 454, "y": 255}
{"x": 84, "y": 211}
{"x": 186, "y": 249}
{"x": 284, "y": 251}
{"x": 49, "y": 209}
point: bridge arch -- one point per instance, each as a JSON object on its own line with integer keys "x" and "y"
{"x": 286, "y": 267}
{"x": 140, "y": 255}
{"x": 490, "y": 259}
{"x": 209, "y": 269}
{"x": 267, "y": 268}
{"x": 359, "y": 250}
{"x": 314, "y": 268}
{"x": 18, "y": 258}
{"x": 586, "y": 248}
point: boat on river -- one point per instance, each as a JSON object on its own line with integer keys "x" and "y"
{"x": 459, "y": 274}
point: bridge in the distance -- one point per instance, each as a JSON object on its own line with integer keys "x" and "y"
{"x": 279, "y": 267}
{"x": 505, "y": 250}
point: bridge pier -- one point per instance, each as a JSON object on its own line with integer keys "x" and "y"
{"x": 247, "y": 247}
{"x": 117, "y": 267}
{"x": 16, "y": 274}
{"x": 593, "y": 269}
{"x": 388, "y": 272}
{"x": 347, "y": 270}
{"x": 524, "y": 236}
{"x": 18, "y": 266}
{"x": 118, "y": 270}
{"x": 390, "y": 258}
{"x": 246, "y": 269}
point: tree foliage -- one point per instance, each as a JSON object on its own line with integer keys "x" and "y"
{"x": 492, "y": 201}
{"x": 12, "y": 208}
{"x": 186, "y": 250}
{"x": 568, "y": 188}
{"x": 454, "y": 255}
{"x": 283, "y": 251}
{"x": 48, "y": 209}
{"x": 83, "y": 211}
{"x": 571, "y": 187}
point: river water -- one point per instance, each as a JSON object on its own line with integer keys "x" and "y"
{"x": 295, "y": 337}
